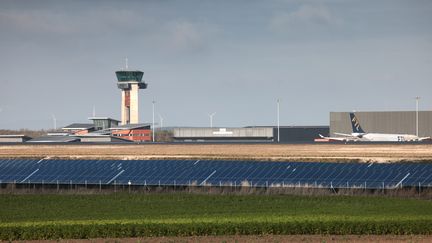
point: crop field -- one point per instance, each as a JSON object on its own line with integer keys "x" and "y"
{"x": 25, "y": 217}
{"x": 281, "y": 152}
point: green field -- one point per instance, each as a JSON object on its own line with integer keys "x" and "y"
{"x": 133, "y": 215}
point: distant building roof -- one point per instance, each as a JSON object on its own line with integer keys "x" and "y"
{"x": 80, "y": 126}
{"x": 319, "y": 126}
{"x": 54, "y": 139}
{"x": 102, "y": 138}
{"x": 58, "y": 134}
{"x": 100, "y": 132}
{"x": 14, "y": 138}
{"x": 132, "y": 126}
{"x": 102, "y": 118}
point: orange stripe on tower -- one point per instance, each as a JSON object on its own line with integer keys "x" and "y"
{"x": 127, "y": 98}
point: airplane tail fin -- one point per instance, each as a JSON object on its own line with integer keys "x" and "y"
{"x": 355, "y": 124}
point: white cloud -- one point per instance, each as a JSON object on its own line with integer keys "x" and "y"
{"x": 160, "y": 33}
{"x": 188, "y": 36}
{"x": 185, "y": 35}
{"x": 305, "y": 16}
{"x": 33, "y": 21}
{"x": 51, "y": 22}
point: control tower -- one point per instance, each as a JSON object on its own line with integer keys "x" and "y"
{"x": 130, "y": 82}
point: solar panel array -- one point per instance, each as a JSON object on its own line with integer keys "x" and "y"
{"x": 212, "y": 172}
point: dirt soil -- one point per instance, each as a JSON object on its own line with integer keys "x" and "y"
{"x": 276, "y": 152}
{"x": 262, "y": 238}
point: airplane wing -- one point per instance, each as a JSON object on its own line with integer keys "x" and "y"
{"x": 342, "y": 139}
{"x": 424, "y": 138}
{"x": 346, "y": 135}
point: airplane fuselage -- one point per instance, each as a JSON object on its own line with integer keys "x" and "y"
{"x": 383, "y": 137}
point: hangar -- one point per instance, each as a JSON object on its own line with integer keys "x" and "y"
{"x": 397, "y": 122}
{"x": 288, "y": 134}
{"x": 203, "y": 134}
{"x": 299, "y": 134}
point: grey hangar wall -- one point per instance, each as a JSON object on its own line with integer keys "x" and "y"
{"x": 397, "y": 122}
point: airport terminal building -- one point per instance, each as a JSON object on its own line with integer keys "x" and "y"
{"x": 397, "y": 122}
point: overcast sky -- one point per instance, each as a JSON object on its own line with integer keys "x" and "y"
{"x": 234, "y": 58}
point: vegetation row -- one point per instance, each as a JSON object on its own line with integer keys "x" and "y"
{"x": 27, "y": 217}
{"x": 121, "y": 230}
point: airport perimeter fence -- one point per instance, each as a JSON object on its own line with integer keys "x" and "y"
{"x": 329, "y": 187}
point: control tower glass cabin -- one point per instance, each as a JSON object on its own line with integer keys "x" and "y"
{"x": 130, "y": 82}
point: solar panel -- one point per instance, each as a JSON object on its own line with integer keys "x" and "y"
{"x": 215, "y": 172}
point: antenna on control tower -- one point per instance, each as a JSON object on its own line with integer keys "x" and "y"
{"x": 126, "y": 61}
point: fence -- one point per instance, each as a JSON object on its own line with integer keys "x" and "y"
{"x": 221, "y": 187}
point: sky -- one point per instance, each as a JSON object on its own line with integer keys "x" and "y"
{"x": 235, "y": 58}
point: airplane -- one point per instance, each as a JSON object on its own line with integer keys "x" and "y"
{"x": 359, "y": 134}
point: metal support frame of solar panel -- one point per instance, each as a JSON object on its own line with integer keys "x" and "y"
{"x": 207, "y": 172}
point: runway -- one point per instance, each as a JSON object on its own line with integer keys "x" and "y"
{"x": 379, "y": 153}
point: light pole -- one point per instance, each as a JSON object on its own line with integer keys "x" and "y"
{"x": 417, "y": 106}
{"x": 211, "y": 118}
{"x": 153, "y": 118}
{"x": 278, "y": 124}
{"x": 54, "y": 121}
